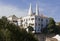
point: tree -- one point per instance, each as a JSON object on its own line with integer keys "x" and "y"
{"x": 30, "y": 29}
{"x": 51, "y": 27}
{"x": 11, "y": 32}
{"x": 58, "y": 27}
{"x": 51, "y": 21}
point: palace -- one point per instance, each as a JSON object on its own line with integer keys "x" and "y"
{"x": 35, "y": 20}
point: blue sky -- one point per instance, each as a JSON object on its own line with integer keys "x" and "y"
{"x": 50, "y": 8}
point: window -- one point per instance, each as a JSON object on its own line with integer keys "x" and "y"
{"x": 21, "y": 20}
{"x": 32, "y": 24}
{"x": 15, "y": 21}
{"x": 25, "y": 22}
{"x": 39, "y": 19}
{"x": 35, "y": 24}
{"x": 38, "y": 24}
{"x": 41, "y": 25}
{"x": 32, "y": 18}
{"x": 38, "y": 28}
{"x": 24, "y": 19}
{"x": 46, "y": 20}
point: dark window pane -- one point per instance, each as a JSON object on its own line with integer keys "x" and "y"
{"x": 32, "y": 18}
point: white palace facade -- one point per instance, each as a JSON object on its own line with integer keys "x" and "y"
{"x": 33, "y": 19}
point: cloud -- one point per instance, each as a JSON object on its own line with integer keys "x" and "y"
{"x": 7, "y": 10}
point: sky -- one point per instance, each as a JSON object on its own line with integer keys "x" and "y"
{"x": 49, "y": 8}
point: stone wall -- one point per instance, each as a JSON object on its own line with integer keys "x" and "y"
{"x": 44, "y": 37}
{"x": 41, "y": 37}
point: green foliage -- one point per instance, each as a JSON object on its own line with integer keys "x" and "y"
{"x": 58, "y": 29}
{"x": 11, "y": 32}
{"x": 50, "y": 28}
{"x": 51, "y": 21}
{"x": 30, "y": 29}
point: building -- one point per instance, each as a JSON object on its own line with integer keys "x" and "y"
{"x": 13, "y": 19}
{"x": 33, "y": 19}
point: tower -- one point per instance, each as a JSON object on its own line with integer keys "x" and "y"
{"x": 37, "y": 9}
{"x": 30, "y": 12}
